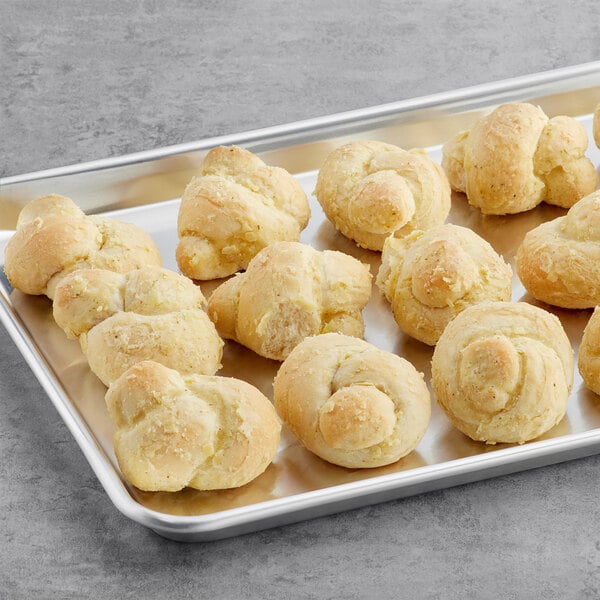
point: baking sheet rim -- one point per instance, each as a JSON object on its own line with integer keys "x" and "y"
{"x": 326, "y": 500}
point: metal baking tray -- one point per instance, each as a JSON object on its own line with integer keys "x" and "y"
{"x": 144, "y": 189}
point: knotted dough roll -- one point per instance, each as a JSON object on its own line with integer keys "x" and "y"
{"x": 429, "y": 277}
{"x": 371, "y": 190}
{"x": 351, "y": 403}
{"x": 54, "y": 237}
{"x": 291, "y": 291}
{"x": 237, "y": 206}
{"x": 515, "y": 157}
{"x": 146, "y": 314}
{"x": 175, "y": 431}
{"x": 503, "y": 371}
{"x": 589, "y": 353}
{"x": 558, "y": 262}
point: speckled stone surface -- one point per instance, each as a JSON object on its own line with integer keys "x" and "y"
{"x": 84, "y": 80}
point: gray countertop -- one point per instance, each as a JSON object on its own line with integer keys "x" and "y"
{"x": 83, "y": 80}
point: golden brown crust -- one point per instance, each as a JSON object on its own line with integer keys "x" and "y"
{"x": 503, "y": 371}
{"x": 193, "y": 430}
{"x": 370, "y": 190}
{"x": 291, "y": 291}
{"x": 515, "y": 157}
{"x": 146, "y": 314}
{"x": 237, "y": 206}
{"x": 558, "y": 262}
{"x": 87, "y": 297}
{"x": 429, "y": 277}
{"x": 453, "y": 161}
{"x": 351, "y": 403}
{"x": 54, "y": 237}
{"x": 589, "y": 353}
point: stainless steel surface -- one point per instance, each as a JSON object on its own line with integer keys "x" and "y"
{"x": 298, "y": 485}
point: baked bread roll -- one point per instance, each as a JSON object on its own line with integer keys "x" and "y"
{"x": 503, "y": 371}
{"x": 146, "y": 314}
{"x": 291, "y": 291}
{"x": 175, "y": 431}
{"x": 236, "y": 207}
{"x": 558, "y": 261}
{"x": 371, "y": 190}
{"x": 515, "y": 157}
{"x": 597, "y": 125}
{"x": 54, "y": 237}
{"x": 589, "y": 353}
{"x": 429, "y": 277}
{"x": 351, "y": 403}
